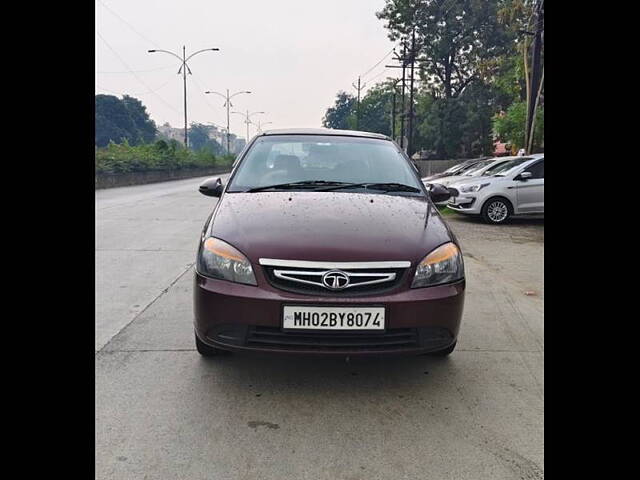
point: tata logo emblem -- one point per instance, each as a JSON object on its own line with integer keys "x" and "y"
{"x": 335, "y": 280}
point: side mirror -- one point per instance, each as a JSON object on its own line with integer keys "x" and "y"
{"x": 524, "y": 176}
{"x": 438, "y": 193}
{"x": 212, "y": 187}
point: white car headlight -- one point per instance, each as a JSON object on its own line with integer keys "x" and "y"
{"x": 442, "y": 265}
{"x": 473, "y": 188}
{"x": 218, "y": 259}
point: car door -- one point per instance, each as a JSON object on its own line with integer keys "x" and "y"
{"x": 530, "y": 192}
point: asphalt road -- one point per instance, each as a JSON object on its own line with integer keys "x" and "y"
{"x": 163, "y": 412}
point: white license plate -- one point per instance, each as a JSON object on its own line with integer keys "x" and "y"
{"x": 333, "y": 318}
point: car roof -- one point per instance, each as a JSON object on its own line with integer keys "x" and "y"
{"x": 324, "y": 131}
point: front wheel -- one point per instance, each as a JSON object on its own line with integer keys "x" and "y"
{"x": 497, "y": 210}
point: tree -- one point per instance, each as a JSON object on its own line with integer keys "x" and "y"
{"x": 113, "y": 122}
{"x": 375, "y": 109}
{"x": 199, "y": 139}
{"x": 510, "y": 126}
{"x": 454, "y": 39}
{"x": 146, "y": 128}
{"x": 442, "y": 127}
{"x": 338, "y": 116}
{"x": 119, "y": 120}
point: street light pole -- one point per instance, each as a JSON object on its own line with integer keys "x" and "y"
{"x": 184, "y": 67}
{"x": 260, "y": 124}
{"x": 247, "y": 119}
{"x": 227, "y": 104}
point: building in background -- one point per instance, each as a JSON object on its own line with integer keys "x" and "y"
{"x": 215, "y": 132}
{"x": 171, "y": 133}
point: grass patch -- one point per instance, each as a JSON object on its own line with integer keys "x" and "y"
{"x": 444, "y": 210}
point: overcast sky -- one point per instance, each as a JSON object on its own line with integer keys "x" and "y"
{"x": 293, "y": 55}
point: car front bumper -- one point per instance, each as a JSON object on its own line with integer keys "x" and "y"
{"x": 469, "y": 204}
{"x": 239, "y": 317}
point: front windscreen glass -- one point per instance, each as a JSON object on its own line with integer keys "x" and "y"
{"x": 504, "y": 169}
{"x": 285, "y": 159}
{"x": 478, "y": 167}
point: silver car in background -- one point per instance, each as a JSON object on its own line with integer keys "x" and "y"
{"x": 513, "y": 188}
{"x": 483, "y": 167}
{"x": 457, "y": 169}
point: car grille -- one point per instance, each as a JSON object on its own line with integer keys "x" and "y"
{"x": 309, "y": 280}
{"x": 453, "y": 191}
{"x": 273, "y": 337}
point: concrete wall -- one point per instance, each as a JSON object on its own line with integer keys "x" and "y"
{"x": 110, "y": 180}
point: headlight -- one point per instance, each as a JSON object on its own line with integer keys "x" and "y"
{"x": 443, "y": 265}
{"x": 473, "y": 188}
{"x": 218, "y": 259}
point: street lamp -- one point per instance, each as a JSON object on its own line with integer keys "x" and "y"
{"x": 247, "y": 120}
{"x": 227, "y": 104}
{"x": 184, "y": 67}
{"x": 260, "y": 125}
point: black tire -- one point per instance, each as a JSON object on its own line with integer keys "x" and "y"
{"x": 206, "y": 350}
{"x": 497, "y": 210}
{"x": 446, "y": 351}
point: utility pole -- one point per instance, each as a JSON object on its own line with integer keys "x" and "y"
{"x": 402, "y": 60}
{"x": 247, "y": 117}
{"x": 184, "y": 67}
{"x": 536, "y": 69}
{"x": 402, "y": 98}
{"x": 413, "y": 59}
{"x": 393, "y": 108}
{"x": 227, "y": 104}
{"x": 393, "y": 113}
{"x": 358, "y": 104}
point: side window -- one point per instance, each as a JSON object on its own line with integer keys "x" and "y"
{"x": 537, "y": 170}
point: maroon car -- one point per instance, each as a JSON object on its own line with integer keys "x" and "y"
{"x": 326, "y": 242}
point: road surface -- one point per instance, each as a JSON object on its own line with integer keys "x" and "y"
{"x": 163, "y": 412}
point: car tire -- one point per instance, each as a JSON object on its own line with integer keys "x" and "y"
{"x": 497, "y": 210}
{"x": 206, "y": 350}
{"x": 446, "y": 351}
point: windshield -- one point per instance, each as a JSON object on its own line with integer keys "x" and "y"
{"x": 455, "y": 168}
{"x": 494, "y": 168}
{"x": 477, "y": 167}
{"x": 504, "y": 168}
{"x": 308, "y": 162}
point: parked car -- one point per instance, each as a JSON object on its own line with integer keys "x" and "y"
{"x": 455, "y": 170}
{"x": 308, "y": 257}
{"x": 514, "y": 188}
{"x": 478, "y": 169}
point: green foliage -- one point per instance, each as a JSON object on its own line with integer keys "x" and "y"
{"x": 457, "y": 39}
{"x": 375, "y": 109}
{"x": 162, "y": 155}
{"x": 442, "y": 127}
{"x": 510, "y": 126}
{"x": 338, "y": 116}
{"x": 199, "y": 139}
{"x": 470, "y": 67}
{"x": 123, "y": 119}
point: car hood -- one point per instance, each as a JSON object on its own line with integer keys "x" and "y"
{"x": 329, "y": 226}
{"x": 434, "y": 176}
{"x": 474, "y": 180}
{"x": 446, "y": 181}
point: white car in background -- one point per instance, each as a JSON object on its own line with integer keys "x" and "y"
{"x": 513, "y": 188}
{"x": 483, "y": 167}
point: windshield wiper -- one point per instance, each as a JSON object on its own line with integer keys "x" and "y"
{"x": 311, "y": 183}
{"x": 385, "y": 187}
